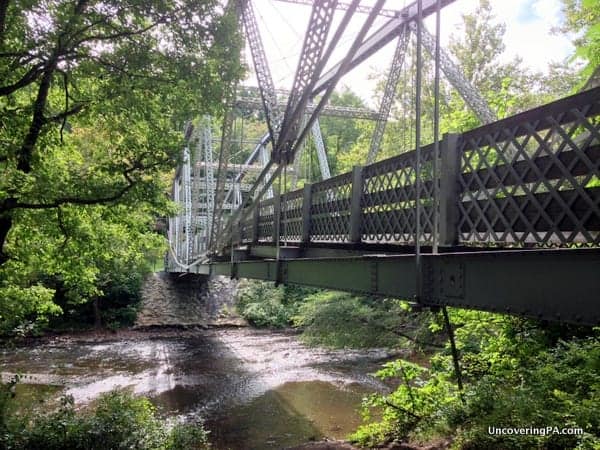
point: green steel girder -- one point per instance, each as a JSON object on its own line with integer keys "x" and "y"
{"x": 561, "y": 285}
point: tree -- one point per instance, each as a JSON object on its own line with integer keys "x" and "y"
{"x": 128, "y": 70}
{"x": 582, "y": 18}
{"x": 340, "y": 134}
{"x": 93, "y": 97}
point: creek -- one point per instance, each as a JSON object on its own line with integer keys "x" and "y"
{"x": 257, "y": 389}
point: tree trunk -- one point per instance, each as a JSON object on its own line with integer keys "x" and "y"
{"x": 5, "y": 226}
{"x": 97, "y": 313}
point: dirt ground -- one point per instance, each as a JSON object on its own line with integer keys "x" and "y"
{"x": 341, "y": 445}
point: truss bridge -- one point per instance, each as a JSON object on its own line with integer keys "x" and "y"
{"x": 504, "y": 217}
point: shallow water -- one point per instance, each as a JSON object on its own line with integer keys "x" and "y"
{"x": 256, "y": 389}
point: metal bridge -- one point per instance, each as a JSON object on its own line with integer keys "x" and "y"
{"x": 503, "y": 218}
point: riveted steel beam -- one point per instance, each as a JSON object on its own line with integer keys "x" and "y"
{"x": 559, "y": 285}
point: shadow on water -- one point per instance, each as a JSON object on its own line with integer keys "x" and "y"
{"x": 257, "y": 389}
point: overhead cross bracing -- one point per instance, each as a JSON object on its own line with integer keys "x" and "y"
{"x": 505, "y": 217}
{"x": 329, "y": 110}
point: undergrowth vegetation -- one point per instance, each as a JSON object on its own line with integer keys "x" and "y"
{"x": 118, "y": 420}
{"x": 516, "y": 374}
{"x": 331, "y": 318}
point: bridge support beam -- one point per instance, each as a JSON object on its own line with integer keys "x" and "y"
{"x": 553, "y": 285}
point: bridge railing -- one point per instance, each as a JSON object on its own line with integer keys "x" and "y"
{"x": 530, "y": 179}
{"x": 533, "y": 178}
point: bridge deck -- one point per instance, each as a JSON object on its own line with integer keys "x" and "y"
{"x": 523, "y": 191}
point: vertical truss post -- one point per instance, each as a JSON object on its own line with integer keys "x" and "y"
{"x": 264, "y": 159}
{"x": 418, "y": 77}
{"x": 449, "y": 190}
{"x": 436, "y": 130}
{"x": 355, "y": 232}
{"x": 195, "y": 157}
{"x": 221, "y": 176}
{"x": 276, "y": 217}
{"x": 389, "y": 93}
{"x": 298, "y": 158}
{"x": 255, "y": 223}
{"x": 173, "y": 220}
{"x": 187, "y": 202}
{"x": 176, "y": 199}
{"x": 306, "y": 207}
{"x": 209, "y": 177}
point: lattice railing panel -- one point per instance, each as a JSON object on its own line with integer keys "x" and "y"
{"x": 265, "y": 221}
{"x": 246, "y": 230}
{"x": 291, "y": 216}
{"x": 330, "y": 209}
{"x": 388, "y": 201}
{"x": 534, "y": 178}
{"x": 529, "y": 180}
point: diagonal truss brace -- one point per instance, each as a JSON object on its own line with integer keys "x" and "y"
{"x": 310, "y": 65}
{"x": 455, "y": 76}
{"x": 389, "y": 93}
{"x": 321, "y": 153}
{"x": 261, "y": 67}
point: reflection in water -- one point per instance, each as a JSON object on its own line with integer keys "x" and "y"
{"x": 292, "y": 413}
{"x": 257, "y": 389}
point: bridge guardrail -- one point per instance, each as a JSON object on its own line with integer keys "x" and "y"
{"x": 530, "y": 179}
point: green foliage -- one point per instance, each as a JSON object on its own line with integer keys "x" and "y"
{"x": 117, "y": 421}
{"x": 516, "y": 374}
{"x": 413, "y": 407}
{"x": 337, "y": 319}
{"x": 93, "y": 96}
{"x": 262, "y": 304}
{"x": 333, "y": 319}
{"x": 582, "y": 19}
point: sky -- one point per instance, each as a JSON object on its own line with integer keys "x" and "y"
{"x": 528, "y": 35}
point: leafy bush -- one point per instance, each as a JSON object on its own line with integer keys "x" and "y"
{"x": 338, "y": 319}
{"x": 118, "y": 421}
{"x": 262, "y": 304}
{"x": 517, "y": 373}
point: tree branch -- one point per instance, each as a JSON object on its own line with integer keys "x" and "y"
{"x": 402, "y": 410}
{"x": 119, "y": 34}
{"x": 80, "y": 200}
{"x": 76, "y": 200}
{"x": 25, "y": 80}
{"x": 38, "y": 120}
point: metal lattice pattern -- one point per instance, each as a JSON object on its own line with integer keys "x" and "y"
{"x": 261, "y": 68}
{"x": 330, "y": 209}
{"x": 388, "y": 199}
{"x": 389, "y": 93}
{"x": 265, "y": 222}
{"x": 246, "y": 230}
{"x": 291, "y": 216}
{"x": 534, "y": 178}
